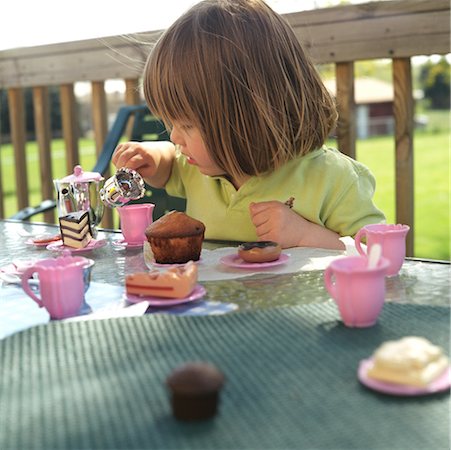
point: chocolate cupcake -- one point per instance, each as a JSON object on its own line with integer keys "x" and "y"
{"x": 176, "y": 238}
{"x": 195, "y": 389}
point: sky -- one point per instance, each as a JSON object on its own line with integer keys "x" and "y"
{"x": 26, "y": 23}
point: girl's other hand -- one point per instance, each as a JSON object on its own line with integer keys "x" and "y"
{"x": 275, "y": 221}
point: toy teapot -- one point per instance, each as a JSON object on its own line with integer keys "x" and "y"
{"x": 80, "y": 191}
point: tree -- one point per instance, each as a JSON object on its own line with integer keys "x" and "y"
{"x": 435, "y": 82}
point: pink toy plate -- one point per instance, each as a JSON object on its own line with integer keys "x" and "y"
{"x": 235, "y": 261}
{"x": 31, "y": 241}
{"x": 442, "y": 383}
{"x": 122, "y": 243}
{"x": 198, "y": 292}
{"x": 93, "y": 244}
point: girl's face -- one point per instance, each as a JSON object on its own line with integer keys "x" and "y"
{"x": 191, "y": 144}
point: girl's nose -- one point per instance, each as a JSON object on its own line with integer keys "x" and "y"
{"x": 175, "y": 136}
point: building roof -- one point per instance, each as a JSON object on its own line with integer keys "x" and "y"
{"x": 367, "y": 90}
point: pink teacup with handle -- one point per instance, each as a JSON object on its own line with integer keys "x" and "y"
{"x": 134, "y": 221}
{"x": 61, "y": 285}
{"x": 392, "y": 239}
{"x": 358, "y": 290}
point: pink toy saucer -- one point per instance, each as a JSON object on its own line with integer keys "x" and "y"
{"x": 122, "y": 243}
{"x": 18, "y": 267}
{"x": 440, "y": 384}
{"x": 235, "y": 261}
{"x": 93, "y": 244}
{"x": 198, "y": 292}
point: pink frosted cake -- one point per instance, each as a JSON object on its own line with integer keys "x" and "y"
{"x": 176, "y": 282}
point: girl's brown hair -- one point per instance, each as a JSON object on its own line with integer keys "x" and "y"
{"x": 235, "y": 70}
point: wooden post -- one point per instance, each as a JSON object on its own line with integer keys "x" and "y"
{"x": 404, "y": 128}
{"x": 346, "y": 128}
{"x": 70, "y": 126}
{"x": 18, "y": 136}
{"x": 99, "y": 114}
{"x": 41, "y": 111}
{"x": 132, "y": 97}
{"x": 100, "y": 125}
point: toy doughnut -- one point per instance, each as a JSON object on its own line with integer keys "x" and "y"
{"x": 259, "y": 252}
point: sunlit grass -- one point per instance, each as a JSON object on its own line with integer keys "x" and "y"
{"x": 431, "y": 192}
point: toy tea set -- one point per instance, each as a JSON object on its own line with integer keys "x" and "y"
{"x": 81, "y": 198}
{"x": 356, "y": 283}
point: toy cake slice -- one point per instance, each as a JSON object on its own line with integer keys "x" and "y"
{"x": 176, "y": 282}
{"x": 76, "y": 229}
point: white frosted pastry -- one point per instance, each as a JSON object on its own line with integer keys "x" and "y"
{"x": 176, "y": 282}
{"x": 412, "y": 361}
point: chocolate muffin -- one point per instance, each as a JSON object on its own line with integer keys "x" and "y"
{"x": 176, "y": 238}
{"x": 195, "y": 389}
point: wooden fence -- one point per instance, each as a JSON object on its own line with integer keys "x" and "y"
{"x": 342, "y": 35}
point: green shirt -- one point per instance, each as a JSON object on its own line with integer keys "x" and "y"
{"x": 329, "y": 188}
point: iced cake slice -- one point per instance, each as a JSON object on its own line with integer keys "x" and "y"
{"x": 412, "y": 361}
{"x": 176, "y": 282}
{"x": 76, "y": 229}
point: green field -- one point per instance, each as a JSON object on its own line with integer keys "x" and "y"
{"x": 431, "y": 172}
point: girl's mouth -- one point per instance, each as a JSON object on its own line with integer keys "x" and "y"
{"x": 190, "y": 160}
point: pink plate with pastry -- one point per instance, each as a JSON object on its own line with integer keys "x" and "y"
{"x": 440, "y": 384}
{"x": 60, "y": 247}
{"x": 235, "y": 261}
{"x": 198, "y": 292}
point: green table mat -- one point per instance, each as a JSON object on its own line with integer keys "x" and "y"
{"x": 291, "y": 382}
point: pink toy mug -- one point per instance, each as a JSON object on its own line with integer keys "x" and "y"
{"x": 61, "y": 285}
{"x": 134, "y": 221}
{"x": 392, "y": 239}
{"x": 358, "y": 290}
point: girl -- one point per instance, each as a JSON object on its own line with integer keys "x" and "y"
{"x": 248, "y": 116}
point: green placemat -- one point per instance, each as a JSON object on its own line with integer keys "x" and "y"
{"x": 291, "y": 382}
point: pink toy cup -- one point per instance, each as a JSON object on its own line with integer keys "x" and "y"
{"x": 392, "y": 239}
{"x": 358, "y": 291}
{"x": 61, "y": 285}
{"x": 134, "y": 221}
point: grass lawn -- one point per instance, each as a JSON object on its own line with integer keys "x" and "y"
{"x": 431, "y": 172}
{"x": 432, "y": 188}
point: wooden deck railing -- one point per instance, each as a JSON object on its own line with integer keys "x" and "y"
{"x": 342, "y": 35}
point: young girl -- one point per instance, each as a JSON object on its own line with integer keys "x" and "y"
{"x": 248, "y": 116}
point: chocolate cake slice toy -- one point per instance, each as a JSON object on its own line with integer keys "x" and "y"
{"x": 75, "y": 229}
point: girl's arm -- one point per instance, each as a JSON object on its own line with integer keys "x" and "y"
{"x": 152, "y": 160}
{"x": 275, "y": 221}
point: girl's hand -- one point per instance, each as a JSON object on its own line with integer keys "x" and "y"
{"x": 275, "y": 221}
{"x": 152, "y": 160}
{"x": 134, "y": 155}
